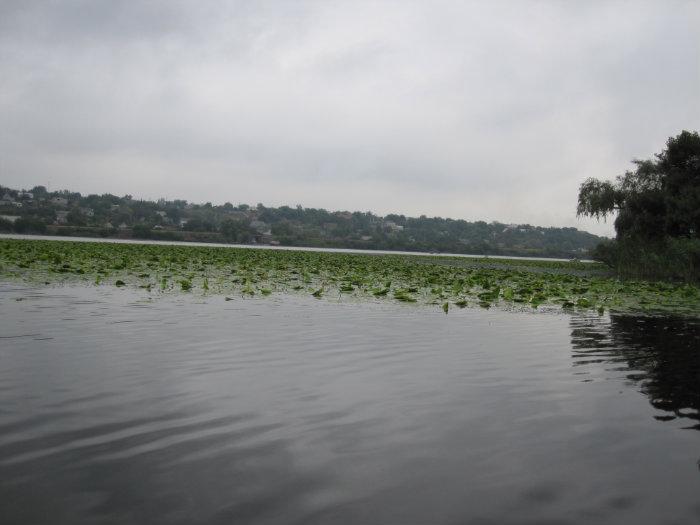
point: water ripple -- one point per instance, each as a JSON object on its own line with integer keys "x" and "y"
{"x": 122, "y": 409}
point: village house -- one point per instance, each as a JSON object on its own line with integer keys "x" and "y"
{"x": 263, "y": 238}
{"x": 392, "y": 226}
{"x": 9, "y": 218}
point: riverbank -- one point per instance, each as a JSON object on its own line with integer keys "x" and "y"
{"x": 165, "y": 242}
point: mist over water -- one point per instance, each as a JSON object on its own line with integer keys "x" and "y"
{"x": 189, "y": 409}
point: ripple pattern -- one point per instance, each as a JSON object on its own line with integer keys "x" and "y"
{"x": 117, "y": 408}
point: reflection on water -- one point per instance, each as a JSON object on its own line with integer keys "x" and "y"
{"x": 660, "y": 354}
{"x": 185, "y": 409}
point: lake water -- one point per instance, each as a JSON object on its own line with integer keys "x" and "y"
{"x": 285, "y": 410}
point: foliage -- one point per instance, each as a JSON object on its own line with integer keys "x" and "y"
{"x": 674, "y": 258}
{"x": 658, "y": 212}
{"x": 427, "y": 280}
{"x": 29, "y": 225}
{"x": 99, "y": 215}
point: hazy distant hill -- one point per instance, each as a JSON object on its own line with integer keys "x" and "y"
{"x": 68, "y": 213}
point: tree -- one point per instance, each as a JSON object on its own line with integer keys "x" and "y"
{"x": 660, "y": 198}
{"x": 234, "y": 230}
{"x": 658, "y": 213}
{"x": 76, "y": 218}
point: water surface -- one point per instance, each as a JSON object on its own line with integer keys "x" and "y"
{"x": 189, "y": 409}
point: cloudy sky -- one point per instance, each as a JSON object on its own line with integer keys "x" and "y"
{"x": 477, "y": 110}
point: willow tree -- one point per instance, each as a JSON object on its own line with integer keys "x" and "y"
{"x": 657, "y": 208}
{"x": 661, "y": 197}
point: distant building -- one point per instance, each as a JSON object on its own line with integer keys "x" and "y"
{"x": 392, "y": 226}
{"x": 26, "y": 195}
{"x": 162, "y": 214}
{"x": 123, "y": 226}
{"x": 7, "y": 198}
{"x": 264, "y": 238}
{"x": 9, "y": 218}
{"x": 183, "y": 222}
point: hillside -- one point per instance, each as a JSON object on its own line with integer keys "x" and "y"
{"x": 70, "y": 213}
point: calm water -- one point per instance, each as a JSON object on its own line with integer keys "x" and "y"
{"x": 288, "y": 411}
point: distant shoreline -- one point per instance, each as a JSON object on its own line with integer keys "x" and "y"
{"x": 283, "y": 248}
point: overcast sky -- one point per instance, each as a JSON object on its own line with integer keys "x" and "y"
{"x": 476, "y": 110}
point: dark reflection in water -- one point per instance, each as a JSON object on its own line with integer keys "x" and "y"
{"x": 195, "y": 410}
{"x": 660, "y": 354}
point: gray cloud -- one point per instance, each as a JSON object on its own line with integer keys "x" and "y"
{"x": 476, "y": 110}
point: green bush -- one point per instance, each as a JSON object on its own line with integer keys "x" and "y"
{"x": 29, "y": 225}
{"x": 670, "y": 258}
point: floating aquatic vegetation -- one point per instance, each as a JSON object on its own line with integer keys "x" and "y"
{"x": 438, "y": 281}
{"x": 404, "y": 296}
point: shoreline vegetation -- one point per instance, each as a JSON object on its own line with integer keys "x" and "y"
{"x": 657, "y": 213}
{"x": 65, "y": 213}
{"x": 442, "y": 282}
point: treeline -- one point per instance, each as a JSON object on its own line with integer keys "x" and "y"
{"x": 69, "y": 213}
{"x": 657, "y": 208}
